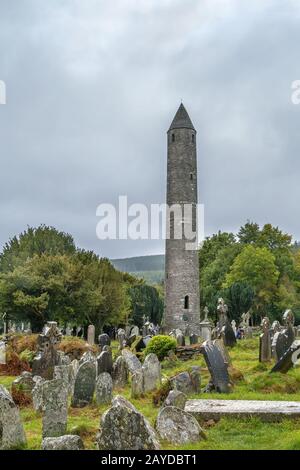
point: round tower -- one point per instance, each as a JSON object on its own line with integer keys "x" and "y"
{"x": 182, "y": 302}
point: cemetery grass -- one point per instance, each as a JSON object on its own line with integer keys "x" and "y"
{"x": 252, "y": 381}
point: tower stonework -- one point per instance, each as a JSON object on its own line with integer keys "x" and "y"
{"x": 182, "y": 299}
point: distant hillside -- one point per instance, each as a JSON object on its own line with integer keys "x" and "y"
{"x": 151, "y": 268}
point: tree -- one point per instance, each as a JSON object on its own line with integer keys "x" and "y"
{"x": 249, "y": 233}
{"x": 239, "y": 297}
{"x": 145, "y": 302}
{"x": 256, "y": 267}
{"x": 212, "y": 245}
{"x": 35, "y": 241}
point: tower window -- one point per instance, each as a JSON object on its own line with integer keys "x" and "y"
{"x": 186, "y": 302}
{"x": 191, "y": 176}
{"x": 193, "y": 138}
{"x": 173, "y": 137}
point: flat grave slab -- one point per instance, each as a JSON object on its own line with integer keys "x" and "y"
{"x": 271, "y": 411}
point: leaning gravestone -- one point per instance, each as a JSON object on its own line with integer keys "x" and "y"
{"x": 120, "y": 373}
{"x": 217, "y": 367}
{"x": 104, "y": 388}
{"x": 178, "y": 427}
{"x": 121, "y": 335}
{"x": 151, "y": 372}
{"x": 105, "y": 361}
{"x": 132, "y": 361}
{"x": 84, "y": 386}
{"x": 289, "y": 359}
{"x": 47, "y": 357}
{"x": 55, "y": 408}
{"x": 91, "y": 335}
{"x": 125, "y": 428}
{"x": 12, "y": 434}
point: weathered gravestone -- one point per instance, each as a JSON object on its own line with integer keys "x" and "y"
{"x": 132, "y": 361}
{"x": 47, "y": 357}
{"x": 103, "y": 340}
{"x": 185, "y": 382}
{"x": 67, "y": 442}
{"x": 151, "y": 373}
{"x": 91, "y": 335}
{"x": 105, "y": 361}
{"x": 37, "y": 393}
{"x": 265, "y": 351}
{"x": 121, "y": 336}
{"x": 62, "y": 372}
{"x": 2, "y": 353}
{"x": 55, "y": 408}
{"x": 120, "y": 373}
{"x": 104, "y": 388}
{"x": 180, "y": 338}
{"x": 289, "y": 358}
{"x": 176, "y": 398}
{"x": 73, "y": 369}
{"x": 123, "y": 427}
{"x": 193, "y": 339}
{"x": 137, "y": 384}
{"x": 176, "y": 426}
{"x": 84, "y": 386}
{"x": 88, "y": 356}
{"x": 12, "y": 434}
{"x": 217, "y": 367}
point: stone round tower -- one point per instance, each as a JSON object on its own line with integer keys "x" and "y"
{"x": 182, "y": 302}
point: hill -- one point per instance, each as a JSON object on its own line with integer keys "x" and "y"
{"x": 151, "y": 267}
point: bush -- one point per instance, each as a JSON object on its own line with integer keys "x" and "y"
{"x": 160, "y": 345}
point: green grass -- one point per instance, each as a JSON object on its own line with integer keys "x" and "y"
{"x": 252, "y": 381}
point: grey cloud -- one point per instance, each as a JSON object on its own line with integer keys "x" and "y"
{"x": 92, "y": 87}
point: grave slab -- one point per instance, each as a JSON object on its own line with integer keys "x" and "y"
{"x": 269, "y": 411}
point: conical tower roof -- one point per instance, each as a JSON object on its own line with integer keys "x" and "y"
{"x": 181, "y": 119}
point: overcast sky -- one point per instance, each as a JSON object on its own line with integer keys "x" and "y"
{"x": 92, "y": 87}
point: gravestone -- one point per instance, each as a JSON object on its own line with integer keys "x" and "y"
{"x": 289, "y": 359}
{"x": 225, "y": 330}
{"x": 105, "y": 361}
{"x": 62, "y": 372}
{"x": 233, "y": 326}
{"x": 91, "y": 335}
{"x": 11, "y": 429}
{"x": 104, "y": 388}
{"x": 73, "y": 369}
{"x": 288, "y": 321}
{"x": 135, "y": 331}
{"x": 121, "y": 336}
{"x": 265, "y": 351}
{"x": 123, "y": 427}
{"x": 194, "y": 339}
{"x": 120, "y": 373}
{"x": 132, "y": 361}
{"x": 103, "y": 340}
{"x": 195, "y": 375}
{"x": 151, "y": 372}
{"x": 47, "y": 357}
{"x": 206, "y": 326}
{"x": 137, "y": 384}
{"x": 84, "y": 386}
{"x": 279, "y": 345}
{"x": 37, "y": 393}
{"x": 183, "y": 383}
{"x": 176, "y": 398}
{"x": 55, "y": 408}
{"x": 180, "y": 339}
{"x": 67, "y": 442}
{"x": 88, "y": 356}
{"x": 178, "y": 427}
{"x": 217, "y": 367}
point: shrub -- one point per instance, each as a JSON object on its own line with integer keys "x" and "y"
{"x": 160, "y": 345}
{"x": 75, "y": 347}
